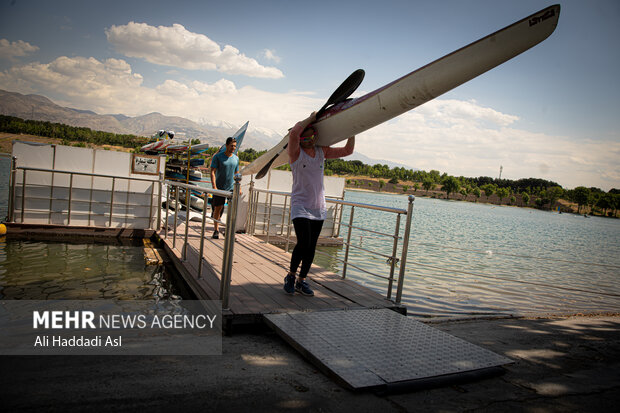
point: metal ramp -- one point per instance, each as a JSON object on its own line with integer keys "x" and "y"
{"x": 380, "y": 349}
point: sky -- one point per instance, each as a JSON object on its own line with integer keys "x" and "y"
{"x": 551, "y": 113}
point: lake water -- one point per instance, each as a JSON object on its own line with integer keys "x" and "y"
{"x": 34, "y": 270}
{"x": 464, "y": 259}
{"x": 475, "y": 259}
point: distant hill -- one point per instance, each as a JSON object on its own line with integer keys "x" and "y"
{"x": 37, "y": 107}
{"x": 213, "y": 132}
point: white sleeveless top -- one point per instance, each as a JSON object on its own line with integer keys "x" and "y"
{"x": 308, "y": 194}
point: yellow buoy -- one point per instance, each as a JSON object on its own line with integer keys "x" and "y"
{"x": 2, "y": 229}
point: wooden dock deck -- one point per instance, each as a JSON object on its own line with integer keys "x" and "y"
{"x": 257, "y": 278}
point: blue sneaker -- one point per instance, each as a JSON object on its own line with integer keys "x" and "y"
{"x": 301, "y": 286}
{"x": 289, "y": 283}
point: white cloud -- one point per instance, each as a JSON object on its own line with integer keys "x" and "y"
{"x": 176, "y": 46}
{"x": 457, "y": 137}
{"x": 110, "y": 86}
{"x": 271, "y": 55}
{"x": 11, "y": 50}
{"x": 85, "y": 82}
{"x": 463, "y": 138}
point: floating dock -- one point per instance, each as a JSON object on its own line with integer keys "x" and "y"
{"x": 353, "y": 334}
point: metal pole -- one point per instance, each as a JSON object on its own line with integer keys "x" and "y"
{"x": 202, "y": 233}
{"x": 254, "y": 212}
{"x": 49, "y": 215}
{"x": 112, "y": 201}
{"x": 11, "y": 214}
{"x": 248, "y": 222}
{"x": 283, "y": 215}
{"x": 339, "y": 220}
{"x": 346, "y": 253}
{"x": 229, "y": 246}
{"x": 269, "y": 218}
{"x": 70, "y": 197}
{"x": 151, "y": 204}
{"x": 403, "y": 258}
{"x": 393, "y": 258}
{"x": 288, "y": 230}
{"x": 23, "y": 194}
{"x": 187, "y": 195}
{"x": 176, "y": 213}
{"x": 160, "y": 188}
{"x": 167, "y": 210}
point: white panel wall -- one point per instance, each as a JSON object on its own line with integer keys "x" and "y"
{"x": 277, "y": 180}
{"x": 135, "y": 203}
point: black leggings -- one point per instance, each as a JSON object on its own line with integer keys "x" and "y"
{"x": 307, "y": 231}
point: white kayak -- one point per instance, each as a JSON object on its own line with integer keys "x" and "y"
{"x": 354, "y": 116}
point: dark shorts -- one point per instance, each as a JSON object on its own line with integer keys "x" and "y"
{"x": 218, "y": 200}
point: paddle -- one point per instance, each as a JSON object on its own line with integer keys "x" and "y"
{"x": 344, "y": 91}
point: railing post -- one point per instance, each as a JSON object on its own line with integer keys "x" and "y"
{"x": 288, "y": 230}
{"x": 11, "y": 213}
{"x": 283, "y": 215}
{"x": 346, "y": 252}
{"x": 393, "y": 258}
{"x": 187, "y": 202}
{"x": 176, "y": 213}
{"x": 151, "y": 205}
{"x": 248, "y": 222}
{"x": 403, "y": 258}
{"x": 70, "y": 197}
{"x": 167, "y": 210}
{"x": 202, "y": 233}
{"x": 159, "y": 197}
{"x": 269, "y": 217}
{"x": 229, "y": 244}
{"x": 23, "y": 193}
{"x": 112, "y": 202}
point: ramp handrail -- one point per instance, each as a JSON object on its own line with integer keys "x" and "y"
{"x": 392, "y": 259}
{"x": 231, "y": 218}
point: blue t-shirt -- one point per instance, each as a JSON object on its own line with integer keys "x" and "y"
{"x": 225, "y": 170}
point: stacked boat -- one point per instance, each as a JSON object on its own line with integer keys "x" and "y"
{"x": 182, "y": 165}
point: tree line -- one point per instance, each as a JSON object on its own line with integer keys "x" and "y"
{"x": 11, "y": 124}
{"x": 541, "y": 192}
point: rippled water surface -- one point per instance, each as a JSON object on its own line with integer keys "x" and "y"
{"x": 463, "y": 259}
{"x": 58, "y": 270}
{"x": 37, "y": 270}
{"x": 467, "y": 258}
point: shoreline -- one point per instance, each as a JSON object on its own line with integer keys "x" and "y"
{"x": 442, "y": 197}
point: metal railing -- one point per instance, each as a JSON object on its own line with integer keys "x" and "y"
{"x": 285, "y": 228}
{"x": 174, "y": 189}
{"x": 69, "y": 212}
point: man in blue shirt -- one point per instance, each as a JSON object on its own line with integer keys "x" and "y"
{"x": 224, "y": 166}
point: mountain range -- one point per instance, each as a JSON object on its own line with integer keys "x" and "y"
{"x": 213, "y": 132}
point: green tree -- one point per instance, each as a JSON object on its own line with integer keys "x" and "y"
{"x": 502, "y": 193}
{"x": 428, "y": 184}
{"x": 553, "y": 194}
{"x": 476, "y": 192}
{"x": 489, "y": 189}
{"x": 450, "y": 185}
{"x": 381, "y": 184}
{"x": 581, "y": 194}
{"x": 526, "y": 198}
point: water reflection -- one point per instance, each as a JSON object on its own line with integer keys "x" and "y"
{"x": 59, "y": 270}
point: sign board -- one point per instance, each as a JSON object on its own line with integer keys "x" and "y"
{"x": 144, "y": 164}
